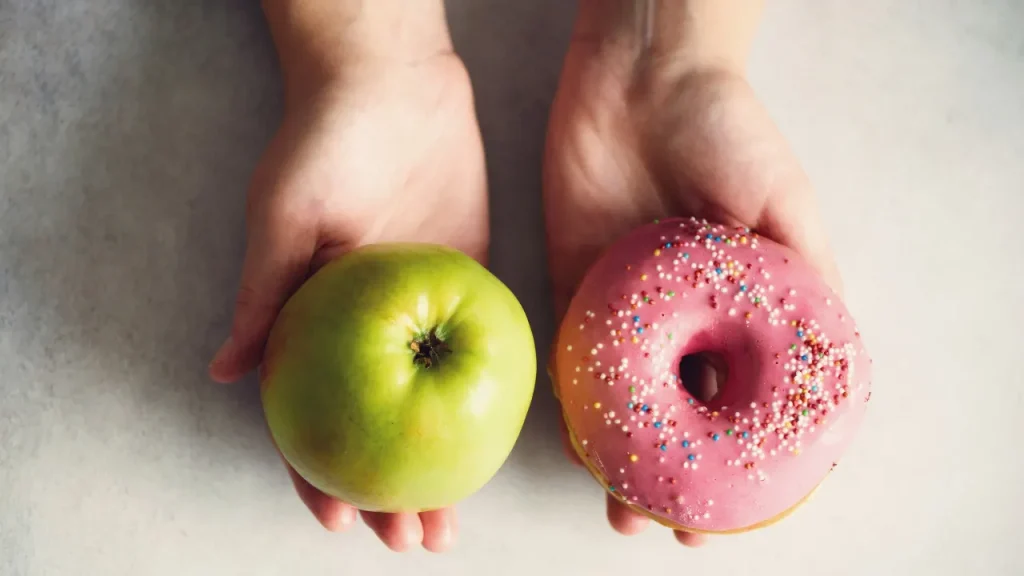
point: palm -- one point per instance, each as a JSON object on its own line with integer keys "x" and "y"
{"x": 626, "y": 148}
{"x": 394, "y": 157}
{"x": 391, "y": 154}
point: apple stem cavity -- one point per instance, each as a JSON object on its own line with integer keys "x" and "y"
{"x": 429, "y": 350}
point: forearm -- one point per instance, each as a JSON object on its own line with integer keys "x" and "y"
{"x": 318, "y": 40}
{"x": 687, "y": 33}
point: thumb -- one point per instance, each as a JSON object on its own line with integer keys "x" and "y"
{"x": 793, "y": 220}
{"x": 277, "y": 260}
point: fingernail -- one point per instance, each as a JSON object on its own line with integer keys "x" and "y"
{"x": 348, "y": 516}
{"x": 342, "y": 521}
{"x": 444, "y": 536}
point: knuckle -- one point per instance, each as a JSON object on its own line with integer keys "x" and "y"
{"x": 250, "y": 299}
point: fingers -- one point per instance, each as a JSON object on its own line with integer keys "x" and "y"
{"x": 702, "y": 374}
{"x": 691, "y": 539}
{"x": 439, "y": 529}
{"x": 621, "y": 518}
{"x": 333, "y": 514}
{"x": 277, "y": 259}
{"x": 793, "y": 221}
{"x": 624, "y": 520}
{"x": 399, "y": 532}
{"x": 628, "y": 523}
{"x": 435, "y": 529}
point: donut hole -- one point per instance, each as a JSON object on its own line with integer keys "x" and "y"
{"x": 703, "y": 375}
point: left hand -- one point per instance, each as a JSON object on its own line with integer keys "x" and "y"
{"x": 388, "y": 151}
{"x": 629, "y": 142}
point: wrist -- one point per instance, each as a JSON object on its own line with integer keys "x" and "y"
{"x": 321, "y": 42}
{"x": 673, "y": 37}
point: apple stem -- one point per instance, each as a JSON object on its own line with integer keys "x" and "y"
{"x": 429, "y": 349}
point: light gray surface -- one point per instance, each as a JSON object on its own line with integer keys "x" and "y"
{"x": 127, "y": 133}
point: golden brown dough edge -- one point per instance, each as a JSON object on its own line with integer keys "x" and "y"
{"x": 643, "y": 511}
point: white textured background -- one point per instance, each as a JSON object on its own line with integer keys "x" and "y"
{"x": 127, "y": 133}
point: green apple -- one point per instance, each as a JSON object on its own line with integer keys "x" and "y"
{"x": 398, "y": 377}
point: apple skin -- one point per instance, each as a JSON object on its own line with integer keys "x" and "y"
{"x": 355, "y": 410}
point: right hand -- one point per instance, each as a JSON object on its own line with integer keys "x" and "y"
{"x": 630, "y": 141}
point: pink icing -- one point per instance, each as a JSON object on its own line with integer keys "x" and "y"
{"x": 797, "y": 384}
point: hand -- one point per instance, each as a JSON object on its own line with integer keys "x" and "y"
{"x": 385, "y": 152}
{"x": 630, "y": 142}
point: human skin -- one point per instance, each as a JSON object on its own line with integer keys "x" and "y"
{"x": 655, "y": 118}
{"x": 379, "y": 143}
{"x": 379, "y": 116}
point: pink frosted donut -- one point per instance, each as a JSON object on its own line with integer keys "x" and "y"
{"x": 795, "y": 390}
